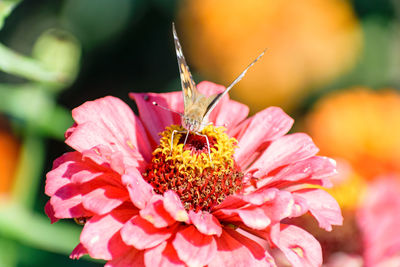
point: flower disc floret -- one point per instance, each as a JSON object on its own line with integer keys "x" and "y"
{"x": 200, "y": 179}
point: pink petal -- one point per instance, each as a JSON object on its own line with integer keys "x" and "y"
{"x": 140, "y": 191}
{"x": 174, "y": 206}
{"x": 322, "y": 206}
{"x": 378, "y": 218}
{"x": 164, "y": 255}
{"x": 156, "y": 214}
{"x": 280, "y": 207}
{"x": 314, "y": 168}
{"x": 155, "y": 118}
{"x": 267, "y": 125}
{"x": 48, "y": 209}
{"x": 209, "y": 88}
{"x": 141, "y": 234}
{"x": 261, "y": 256}
{"x": 261, "y": 196}
{"x": 61, "y": 173}
{"x": 67, "y": 202}
{"x": 104, "y": 199}
{"x": 205, "y": 222}
{"x": 230, "y": 114}
{"x": 109, "y": 121}
{"x": 194, "y": 248}
{"x": 78, "y": 252}
{"x": 226, "y": 112}
{"x": 106, "y": 158}
{"x": 101, "y": 236}
{"x": 285, "y": 150}
{"x": 253, "y": 217}
{"x": 300, "y": 247}
{"x": 237, "y": 251}
{"x": 132, "y": 258}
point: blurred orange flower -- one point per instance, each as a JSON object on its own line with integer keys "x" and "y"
{"x": 361, "y": 126}
{"x": 9, "y": 150}
{"x": 309, "y": 43}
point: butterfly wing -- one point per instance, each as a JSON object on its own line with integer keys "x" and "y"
{"x": 215, "y": 99}
{"x": 190, "y": 92}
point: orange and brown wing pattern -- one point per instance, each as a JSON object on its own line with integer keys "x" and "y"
{"x": 188, "y": 85}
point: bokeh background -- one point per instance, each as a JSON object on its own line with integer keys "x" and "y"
{"x": 333, "y": 65}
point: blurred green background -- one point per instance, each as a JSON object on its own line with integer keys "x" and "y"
{"x": 55, "y": 55}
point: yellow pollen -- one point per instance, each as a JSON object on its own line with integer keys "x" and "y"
{"x": 129, "y": 143}
{"x": 189, "y": 162}
{"x": 299, "y": 251}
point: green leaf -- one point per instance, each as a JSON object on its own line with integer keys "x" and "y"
{"x": 31, "y": 229}
{"x": 6, "y": 6}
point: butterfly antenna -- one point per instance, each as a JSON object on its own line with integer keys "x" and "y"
{"x": 168, "y": 109}
{"x": 244, "y": 72}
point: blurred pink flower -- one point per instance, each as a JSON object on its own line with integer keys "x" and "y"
{"x": 378, "y": 218}
{"x": 143, "y": 205}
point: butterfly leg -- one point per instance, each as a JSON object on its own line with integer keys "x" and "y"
{"x": 187, "y": 135}
{"x": 208, "y": 145}
{"x": 172, "y": 138}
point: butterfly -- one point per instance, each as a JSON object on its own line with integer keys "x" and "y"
{"x": 197, "y": 106}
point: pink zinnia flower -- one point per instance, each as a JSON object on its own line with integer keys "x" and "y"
{"x": 146, "y": 202}
{"x": 378, "y": 218}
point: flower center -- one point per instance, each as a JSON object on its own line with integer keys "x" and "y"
{"x": 200, "y": 183}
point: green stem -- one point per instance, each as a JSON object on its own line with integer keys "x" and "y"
{"x": 14, "y": 63}
{"x": 31, "y": 229}
{"x": 29, "y": 171}
{"x": 8, "y": 253}
{"x": 36, "y": 107}
{"x": 6, "y": 6}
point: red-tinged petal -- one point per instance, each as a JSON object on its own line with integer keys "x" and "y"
{"x": 140, "y": 191}
{"x": 108, "y": 159}
{"x": 109, "y": 121}
{"x": 285, "y": 150}
{"x": 132, "y": 258}
{"x": 261, "y": 256}
{"x": 300, "y": 248}
{"x": 156, "y": 214}
{"x": 141, "y": 234}
{"x": 253, "y": 217}
{"x": 232, "y": 252}
{"x": 322, "y": 206}
{"x": 174, "y": 206}
{"x": 205, "y": 222}
{"x": 300, "y": 206}
{"x": 231, "y": 202}
{"x": 266, "y": 125}
{"x": 281, "y": 207}
{"x": 104, "y": 199}
{"x": 230, "y": 114}
{"x": 60, "y": 175}
{"x": 101, "y": 234}
{"x": 73, "y": 168}
{"x": 78, "y": 252}
{"x": 194, "y": 248}
{"x": 164, "y": 255}
{"x": 67, "y": 202}
{"x": 155, "y": 118}
{"x": 226, "y": 112}
{"x": 314, "y": 168}
{"x": 261, "y": 196}
{"x": 48, "y": 209}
